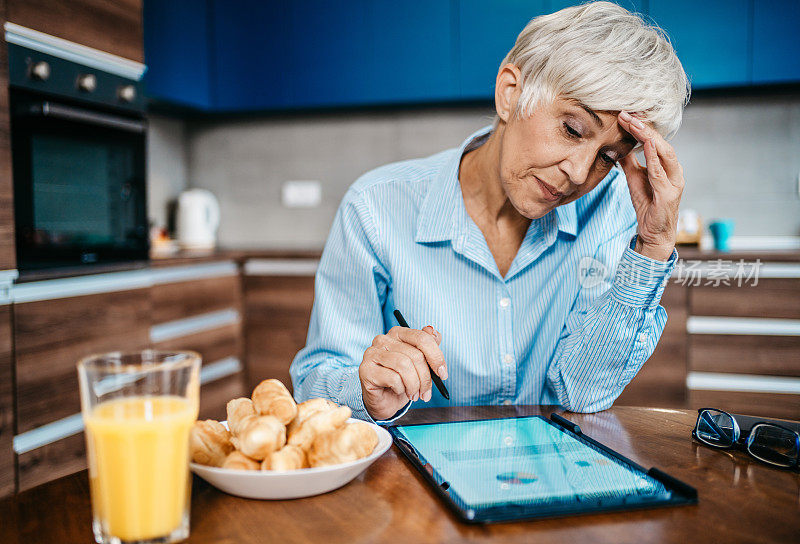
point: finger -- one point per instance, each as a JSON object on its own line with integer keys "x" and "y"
{"x": 420, "y": 365}
{"x": 433, "y": 332}
{"x": 655, "y": 171}
{"x": 643, "y": 132}
{"x": 636, "y": 177}
{"x": 383, "y": 378}
{"x": 401, "y": 363}
{"x": 426, "y": 344}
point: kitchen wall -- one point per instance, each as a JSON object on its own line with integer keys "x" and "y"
{"x": 166, "y": 165}
{"x": 741, "y": 157}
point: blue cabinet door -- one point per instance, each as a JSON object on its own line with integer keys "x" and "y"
{"x": 630, "y": 5}
{"x": 711, "y": 38}
{"x": 486, "y": 32}
{"x": 252, "y": 47}
{"x": 776, "y": 45}
{"x": 177, "y": 51}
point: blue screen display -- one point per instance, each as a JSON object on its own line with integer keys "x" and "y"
{"x": 523, "y": 460}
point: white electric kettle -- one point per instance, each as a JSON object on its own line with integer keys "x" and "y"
{"x": 198, "y": 219}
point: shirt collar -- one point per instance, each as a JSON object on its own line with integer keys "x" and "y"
{"x": 443, "y": 213}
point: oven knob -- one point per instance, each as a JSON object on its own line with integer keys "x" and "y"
{"x": 40, "y": 70}
{"x": 87, "y": 83}
{"x": 127, "y": 93}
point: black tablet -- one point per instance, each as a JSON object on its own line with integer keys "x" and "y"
{"x": 530, "y": 467}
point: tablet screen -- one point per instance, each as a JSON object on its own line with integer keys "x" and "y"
{"x": 523, "y": 460}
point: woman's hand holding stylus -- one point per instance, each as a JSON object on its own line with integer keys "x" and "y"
{"x": 395, "y": 369}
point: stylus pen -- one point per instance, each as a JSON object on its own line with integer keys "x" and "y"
{"x": 436, "y": 380}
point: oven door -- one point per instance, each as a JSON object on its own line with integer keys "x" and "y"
{"x": 79, "y": 185}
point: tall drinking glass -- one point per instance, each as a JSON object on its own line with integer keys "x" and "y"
{"x": 138, "y": 409}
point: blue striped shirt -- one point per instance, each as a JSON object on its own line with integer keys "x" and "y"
{"x": 571, "y": 323}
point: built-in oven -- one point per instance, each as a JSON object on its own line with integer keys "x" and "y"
{"x": 78, "y": 139}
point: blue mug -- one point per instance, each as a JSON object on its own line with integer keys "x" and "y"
{"x": 721, "y": 230}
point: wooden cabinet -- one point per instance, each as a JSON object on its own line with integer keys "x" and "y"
{"x": 6, "y": 403}
{"x": 8, "y": 259}
{"x": 50, "y": 337}
{"x": 198, "y": 307}
{"x": 112, "y": 26}
{"x": 277, "y": 313}
{"x": 662, "y": 380}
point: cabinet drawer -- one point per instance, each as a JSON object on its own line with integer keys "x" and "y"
{"x": 52, "y": 461}
{"x": 6, "y": 405}
{"x": 52, "y": 335}
{"x": 179, "y": 300}
{"x": 212, "y": 345}
{"x": 772, "y": 297}
{"x": 780, "y": 405}
{"x": 277, "y": 313}
{"x": 745, "y": 354}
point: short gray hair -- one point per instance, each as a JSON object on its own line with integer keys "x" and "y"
{"x": 606, "y": 58}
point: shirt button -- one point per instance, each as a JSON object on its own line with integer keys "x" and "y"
{"x": 508, "y": 358}
{"x": 505, "y": 302}
{"x": 508, "y": 440}
{"x": 642, "y": 338}
{"x": 508, "y": 402}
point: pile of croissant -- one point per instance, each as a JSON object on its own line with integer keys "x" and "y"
{"x": 271, "y": 432}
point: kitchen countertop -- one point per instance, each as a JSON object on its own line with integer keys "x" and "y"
{"x": 740, "y": 499}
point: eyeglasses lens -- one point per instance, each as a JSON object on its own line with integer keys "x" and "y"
{"x": 715, "y": 428}
{"x": 774, "y": 445}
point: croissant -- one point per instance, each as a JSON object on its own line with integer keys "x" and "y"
{"x": 238, "y": 410}
{"x": 307, "y": 409}
{"x": 286, "y": 459}
{"x": 348, "y": 443}
{"x": 236, "y": 460}
{"x": 316, "y": 424}
{"x": 271, "y": 398}
{"x": 210, "y": 443}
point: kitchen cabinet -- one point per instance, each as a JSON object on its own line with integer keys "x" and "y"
{"x": 278, "y": 298}
{"x": 6, "y": 403}
{"x": 8, "y": 260}
{"x": 243, "y": 55}
{"x": 177, "y": 51}
{"x": 711, "y": 38}
{"x": 776, "y": 49}
{"x": 198, "y": 308}
{"x": 662, "y": 380}
{"x": 113, "y": 27}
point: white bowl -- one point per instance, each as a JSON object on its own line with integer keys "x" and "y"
{"x": 305, "y": 482}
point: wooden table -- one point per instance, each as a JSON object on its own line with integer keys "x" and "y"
{"x": 741, "y": 500}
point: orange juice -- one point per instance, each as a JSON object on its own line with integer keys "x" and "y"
{"x": 138, "y": 451}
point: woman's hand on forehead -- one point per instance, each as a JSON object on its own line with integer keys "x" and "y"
{"x": 655, "y": 188}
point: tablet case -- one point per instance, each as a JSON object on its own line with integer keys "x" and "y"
{"x": 681, "y": 493}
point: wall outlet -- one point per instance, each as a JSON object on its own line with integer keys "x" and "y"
{"x": 301, "y": 194}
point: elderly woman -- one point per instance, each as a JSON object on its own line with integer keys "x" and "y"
{"x": 533, "y": 256}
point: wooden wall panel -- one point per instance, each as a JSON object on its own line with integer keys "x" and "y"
{"x": 51, "y": 461}
{"x": 765, "y": 355}
{"x": 179, "y": 300}
{"x": 277, "y": 313}
{"x": 662, "y": 380}
{"x": 52, "y": 335}
{"x": 6, "y": 404}
{"x": 779, "y": 405}
{"x": 112, "y": 26}
{"x": 772, "y": 298}
{"x": 8, "y": 259}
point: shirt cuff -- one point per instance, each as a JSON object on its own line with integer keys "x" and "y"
{"x": 640, "y": 281}
{"x": 350, "y": 395}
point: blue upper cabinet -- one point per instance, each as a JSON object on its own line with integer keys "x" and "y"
{"x": 776, "y": 46}
{"x": 486, "y": 33}
{"x": 249, "y": 55}
{"x": 177, "y": 51}
{"x": 711, "y": 38}
{"x": 252, "y": 44}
